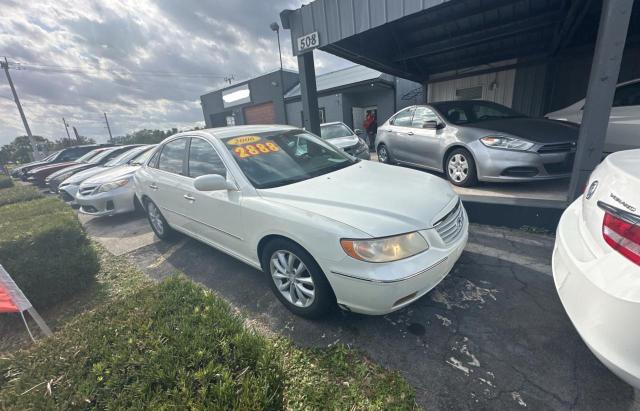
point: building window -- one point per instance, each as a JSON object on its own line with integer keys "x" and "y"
{"x": 469, "y": 93}
{"x": 231, "y": 121}
{"x": 321, "y": 113}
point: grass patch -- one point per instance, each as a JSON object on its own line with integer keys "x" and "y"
{"x": 44, "y": 248}
{"x": 174, "y": 344}
{"x": 5, "y": 182}
{"x": 17, "y": 194}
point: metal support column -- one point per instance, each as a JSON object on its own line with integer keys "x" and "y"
{"x": 612, "y": 34}
{"x": 309, "y": 92}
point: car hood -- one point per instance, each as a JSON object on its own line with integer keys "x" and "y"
{"x": 84, "y": 174}
{"x": 375, "y": 198}
{"x": 539, "y": 130}
{"x": 342, "y": 142}
{"x": 111, "y": 174}
{"x": 76, "y": 168}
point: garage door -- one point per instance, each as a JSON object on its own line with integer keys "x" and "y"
{"x": 259, "y": 114}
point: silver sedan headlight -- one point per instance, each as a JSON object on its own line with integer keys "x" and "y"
{"x": 113, "y": 185}
{"x": 507, "y": 143}
{"x": 382, "y": 250}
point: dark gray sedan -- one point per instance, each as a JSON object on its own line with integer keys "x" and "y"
{"x": 477, "y": 140}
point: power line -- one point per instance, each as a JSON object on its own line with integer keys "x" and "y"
{"x": 16, "y": 65}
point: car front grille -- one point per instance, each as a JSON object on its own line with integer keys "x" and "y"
{"x": 86, "y": 190}
{"x": 562, "y": 167}
{"x": 66, "y": 197}
{"x": 557, "y": 148}
{"x": 451, "y": 225}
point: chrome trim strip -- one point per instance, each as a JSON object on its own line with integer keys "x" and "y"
{"x": 621, "y": 214}
{"x": 355, "y": 277}
{"x": 204, "y": 224}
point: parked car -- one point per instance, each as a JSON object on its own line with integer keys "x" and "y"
{"x": 84, "y": 160}
{"x": 324, "y": 226}
{"x": 65, "y": 158}
{"x": 624, "y": 120}
{"x": 100, "y": 160}
{"x": 18, "y": 171}
{"x": 341, "y": 136}
{"x": 108, "y": 190}
{"x": 477, "y": 140}
{"x": 62, "y": 156}
{"x": 596, "y": 264}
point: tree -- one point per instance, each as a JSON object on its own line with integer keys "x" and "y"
{"x": 19, "y": 150}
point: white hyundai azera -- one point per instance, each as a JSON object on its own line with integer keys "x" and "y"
{"x": 325, "y": 227}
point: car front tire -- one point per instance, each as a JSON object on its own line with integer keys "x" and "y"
{"x": 384, "y": 156}
{"x": 157, "y": 221}
{"x": 296, "y": 279}
{"x": 460, "y": 168}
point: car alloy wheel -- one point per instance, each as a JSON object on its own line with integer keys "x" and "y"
{"x": 458, "y": 168}
{"x": 292, "y": 278}
{"x": 383, "y": 154}
{"x": 155, "y": 218}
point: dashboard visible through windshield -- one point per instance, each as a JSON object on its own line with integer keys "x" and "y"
{"x": 276, "y": 159}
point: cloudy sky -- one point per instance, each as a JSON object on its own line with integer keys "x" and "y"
{"x": 145, "y": 63}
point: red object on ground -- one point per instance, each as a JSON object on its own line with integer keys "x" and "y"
{"x": 6, "y": 303}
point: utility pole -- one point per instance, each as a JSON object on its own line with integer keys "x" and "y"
{"x": 66, "y": 127}
{"x": 275, "y": 27}
{"x": 108, "y": 128}
{"x": 32, "y": 141}
{"x": 75, "y": 131}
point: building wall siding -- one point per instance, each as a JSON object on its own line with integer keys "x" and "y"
{"x": 529, "y": 90}
{"x": 502, "y": 93}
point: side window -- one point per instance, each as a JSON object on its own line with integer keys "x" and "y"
{"x": 203, "y": 159}
{"x": 403, "y": 118}
{"x": 153, "y": 162}
{"x": 172, "y": 156}
{"x": 421, "y": 115}
{"x": 69, "y": 155}
{"x": 628, "y": 95}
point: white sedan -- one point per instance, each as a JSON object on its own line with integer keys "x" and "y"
{"x": 596, "y": 264}
{"x": 326, "y": 227}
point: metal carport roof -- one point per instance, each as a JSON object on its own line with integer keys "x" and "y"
{"x": 349, "y": 76}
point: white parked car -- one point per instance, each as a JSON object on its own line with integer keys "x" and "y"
{"x": 341, "y": 136}
{"x": 111, "y": 192}
{"x": 624, "y": 121}
{"x": 325, "y": 227}
{"x": 596, "y": 264}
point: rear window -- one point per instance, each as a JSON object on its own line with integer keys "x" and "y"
{"x": 330, "y": 131}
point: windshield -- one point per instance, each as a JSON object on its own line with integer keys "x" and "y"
{"x": 98, "y": 158}
{"x": 276, "y": 159}
{"x": 140, "y": 159}
{"x": 330, "y": 131}
{"x": 467, "y": 112}
{"x": 85, "y": 158}
{"x": 125, "y": 157}
{"x": 50, "y": 156}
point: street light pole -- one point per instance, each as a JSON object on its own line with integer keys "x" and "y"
{"x": 275, "y": 27}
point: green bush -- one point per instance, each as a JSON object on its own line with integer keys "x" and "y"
{"x": 5, "y": 182}
{"x": 18, "y": 194}
{"x": 44, "y": 248}
{"x": 175, "y": 345}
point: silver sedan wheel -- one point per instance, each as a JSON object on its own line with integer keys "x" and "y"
{"x": 383, "y": 155}
{"x": 292, "y": 278}
{"x": 155, "y": 218}
{"x": 458, "y": 168}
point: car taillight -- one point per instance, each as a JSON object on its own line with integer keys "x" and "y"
{"x": 622, "y": 236}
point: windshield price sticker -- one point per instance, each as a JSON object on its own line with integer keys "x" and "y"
{"x": 252, "y": 150}
{"x": 238, "y": 141}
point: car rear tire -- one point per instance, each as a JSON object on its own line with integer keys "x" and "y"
{"x": 384, "y": 156}
{"x": 296, "y": 279}
{"x": 460, "y": 168}
{"x": 157, "y": 222}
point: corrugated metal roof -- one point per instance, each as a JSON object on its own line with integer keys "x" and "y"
{"x": 340, "y": 78}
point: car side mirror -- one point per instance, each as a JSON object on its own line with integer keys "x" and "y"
{"x": 430, "y": 125}
{"x": 212, "y": 182}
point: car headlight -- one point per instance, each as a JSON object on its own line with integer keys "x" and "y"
{"x": 113, "y": 185}
{"x": 64, "y": 176}
{"x": 382, "y": 250}
{"x": 507, "y": 143}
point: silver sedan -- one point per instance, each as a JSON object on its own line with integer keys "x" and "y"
{"x": 477, "y": 140}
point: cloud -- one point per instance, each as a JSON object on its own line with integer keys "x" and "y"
{"x": 144, "y": 63}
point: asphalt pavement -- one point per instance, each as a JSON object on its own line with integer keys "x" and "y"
{"x": 492, "y": 335}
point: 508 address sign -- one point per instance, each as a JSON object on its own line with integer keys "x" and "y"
{"x": 309, "y": 41}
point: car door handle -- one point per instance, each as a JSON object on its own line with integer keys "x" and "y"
{"x": 410, "y": 133}
{"x": 188, "y": 197}
{"x": 153, "y": 186}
